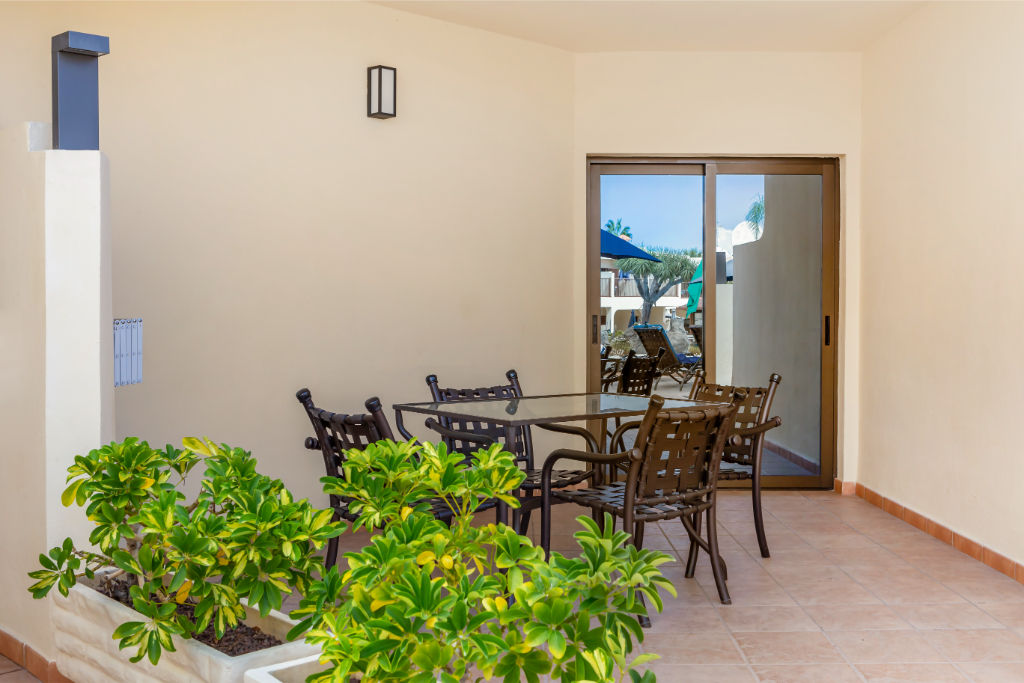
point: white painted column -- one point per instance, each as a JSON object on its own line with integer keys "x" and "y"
{"x": 79, "y": 324}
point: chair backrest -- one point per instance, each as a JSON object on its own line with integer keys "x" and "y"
{"x": 639, "y": 372}
{"x": 522, "y": 446}
{"x": 653, "y": 337}
{"x": 335, "y": 433}
{"x": 753, "y": 409}
{"x": 681, "y": 451}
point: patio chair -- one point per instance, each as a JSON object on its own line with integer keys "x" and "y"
{"x": 742, "y": 456}
{"x": 672, "y": 472}
{"x": 678, "y": 366}
{"x": 336, "y": 433}
{"x": 638, "y": 374}
{"x": 467, "y": 436}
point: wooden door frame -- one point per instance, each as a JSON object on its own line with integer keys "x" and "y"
{"x": 710, "y": 168}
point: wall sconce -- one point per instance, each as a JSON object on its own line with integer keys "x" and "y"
{"x": 380, "y": 92}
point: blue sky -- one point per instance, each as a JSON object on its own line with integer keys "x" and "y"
{"x": 667, "y": 210}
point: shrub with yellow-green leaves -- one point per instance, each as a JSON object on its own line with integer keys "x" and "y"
{"x": 426, "y": 601}
{"x": 243, "y": 537}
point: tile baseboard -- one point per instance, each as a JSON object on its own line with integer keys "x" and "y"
{"x": 27, "y": 658}
{"x": 973, "y": 549}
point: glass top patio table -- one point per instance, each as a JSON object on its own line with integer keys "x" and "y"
{"x": 536, "y": 410}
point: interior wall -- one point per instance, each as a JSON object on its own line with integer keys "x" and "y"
{"x": 731, "y": 104}
{"x": 776, "y": 310}
{"x": 273, "y": 237}
{"x": 942, "y": 373}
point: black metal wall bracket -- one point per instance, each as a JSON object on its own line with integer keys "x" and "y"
{"x": 76, "y": 103}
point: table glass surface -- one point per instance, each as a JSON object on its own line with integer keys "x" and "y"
{"x": 539, "y": 409}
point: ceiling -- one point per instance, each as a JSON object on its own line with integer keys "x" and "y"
{"x": 670, "y": 25}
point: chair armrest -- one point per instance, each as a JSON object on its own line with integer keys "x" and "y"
{"x": 758, "y": 429}
{"x": 576, "y": 431}
{"x": 468, "y": 437}
{"x": 585, "y": 456}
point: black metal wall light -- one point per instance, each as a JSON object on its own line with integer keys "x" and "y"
{"x": 381, "y": 92}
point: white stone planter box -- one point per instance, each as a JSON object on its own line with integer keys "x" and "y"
{"x": 287, "y": 672}
{"x": 86, "y": 652}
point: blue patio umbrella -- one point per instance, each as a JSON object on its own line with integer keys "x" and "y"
{"x": 695, "y": 289}
{"x": 613, "y": 246}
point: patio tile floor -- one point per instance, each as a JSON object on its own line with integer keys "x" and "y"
{"x": 850, "y": 594}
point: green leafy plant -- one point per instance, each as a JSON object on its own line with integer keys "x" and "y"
{"x": 619, "y": 343}
{"x": 618, "y": 229}
{"x": 426, "y": 601}
{"x": 243, "y": 537}
{"x": 655, "y": 278}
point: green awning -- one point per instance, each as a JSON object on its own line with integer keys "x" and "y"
{"x": 696, "y": 287}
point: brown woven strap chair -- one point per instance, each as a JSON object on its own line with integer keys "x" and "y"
{"x": 741, "y": 458}
{"x": 653, "y": 338}
{"x": 336, "y": 433}
{"x": 672, "y": 473}
{"x": 467, "y": 436}
{"x": 637, "y": 375}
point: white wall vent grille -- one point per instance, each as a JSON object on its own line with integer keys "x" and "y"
{"x": 127, "y": 351}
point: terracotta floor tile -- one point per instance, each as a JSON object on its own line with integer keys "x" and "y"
{"x": 7, "y": 665}
{"x": 903, "y": 590}
{"x": 855, "y": 617}
{"x": 955, "y": 616}
{"x": 925, "y": 673}
{"x": 18, "y": 676}
{"x": 996, "y": 589}
{"x": 744, "y": 595}
{"x": 787, "y": 648}
{"x": 994, "y": 672}
{"x": 1010, "y": 614}
{"x": 687, "y": 619}
{"x": 834, "y": 592}
{"x": 885, "y": 646}
{"x": 693, "y": 648}
{"x": 978, "y": 645}
{"x": 765, "y": 618}
{"x": 689, "y": 673}
{"x": 805, "y": 673}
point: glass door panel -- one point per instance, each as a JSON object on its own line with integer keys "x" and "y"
{"x": 768, "y": 307}
{"x": 651, "y": 222}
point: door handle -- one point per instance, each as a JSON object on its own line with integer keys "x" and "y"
{"x": 828, "y": 330}
{"x": 593, "y": 329}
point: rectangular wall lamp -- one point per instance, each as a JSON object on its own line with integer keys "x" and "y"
{"x": 380, "y": 92}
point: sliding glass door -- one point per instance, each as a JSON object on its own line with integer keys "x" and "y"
{"x": 764, "y": 303}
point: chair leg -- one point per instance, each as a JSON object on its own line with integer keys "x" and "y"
{"x": 332, "y": 553}
{"x": 691, "y": 559}
{"x": 524, "y": 522}
{"x": 755, "y": 492}
{"x": 717, "y": 565}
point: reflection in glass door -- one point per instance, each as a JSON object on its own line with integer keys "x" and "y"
{"x": 651, "y": 223}
{"x": 769, "y": 303}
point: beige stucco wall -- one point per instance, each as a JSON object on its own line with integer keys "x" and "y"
{"x": 732, "y": 103}
{"x": 942, "y": 369}
{"x": 22, "y": 384}
{"x": 274, "y": 237}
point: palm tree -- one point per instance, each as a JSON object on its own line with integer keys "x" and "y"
{"x": 654, "y": 278}
{"x": 618, "y": 229}
{"x": 755, "y": 216}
